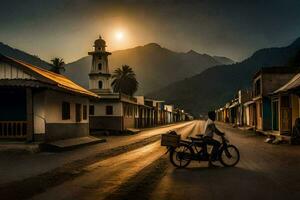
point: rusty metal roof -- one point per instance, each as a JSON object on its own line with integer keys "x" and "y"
{"x": 292, "y": 84}
{"x": 57, "y": 79}
{"x": 277, "y": 70}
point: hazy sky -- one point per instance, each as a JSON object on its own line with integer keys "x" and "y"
{"x": 67, "y": 28}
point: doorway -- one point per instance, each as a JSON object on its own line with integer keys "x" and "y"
{"x": 275, "y": 119}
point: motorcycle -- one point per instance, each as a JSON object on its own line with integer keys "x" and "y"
{"x": 182, "y": 152}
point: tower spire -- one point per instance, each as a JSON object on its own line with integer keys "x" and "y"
{"x": 99, "y": 76}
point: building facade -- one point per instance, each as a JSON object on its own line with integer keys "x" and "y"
{"x": 113, "y": 111}
{"x": 285, "y": 106}
{"x": 39, "y": 105}
{"x": 266, "y": 81}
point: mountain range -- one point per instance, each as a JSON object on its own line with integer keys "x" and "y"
{"x": 155, "y": 66}
{"x": 193, "y": 81}
{"x": 217, "y": 85}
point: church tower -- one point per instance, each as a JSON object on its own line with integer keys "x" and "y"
{"x": 99, "y": 76}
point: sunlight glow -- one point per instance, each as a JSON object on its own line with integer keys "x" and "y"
{"x": 119, "y": 35}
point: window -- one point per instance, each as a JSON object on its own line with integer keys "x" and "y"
{"x": 78, "y": 112}
{"x": 99, "y": 66}
{"x": 100, "y": 57}
{"x": 109, "y": 110}
{"x": 65, "y": 111}
{"x": 84, "y": 114}
{"x": 257, "y": 88}
{"x": 92, "y": 109}
{"x": 100, "y": 84}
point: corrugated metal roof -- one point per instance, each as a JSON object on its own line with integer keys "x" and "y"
{"x": 293, "y": 83}
{"x": 234, "y": 104}
{"x": 58, "y": 79}
{"x": 277, "y": 70}
{"x": 248, "y": 103}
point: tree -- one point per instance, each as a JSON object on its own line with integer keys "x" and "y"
{"x": 57, "y": 65}
{"x": 124, "y": 80}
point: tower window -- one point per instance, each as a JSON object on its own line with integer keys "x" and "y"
{"x": 100, "y": 66}
{"x": 100, "y": 84}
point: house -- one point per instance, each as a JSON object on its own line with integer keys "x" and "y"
{"x": 145, "y": 113}
{"x": 285, "y": 106}
{"x": 266, "y": 81}
{"x": 39, "y": 105}
{"x": 112, "y": 111}
{"x": 220, "y": 114}
{"x": 249, "y": 113}
{"x": 157, "y": 116}
{"x": 178, "y": 115}
{"x": 168, "y": 113}
{"x": 233, "y": 111}
{"x": 244, "y": 108}
{"x": 223, "y": 113}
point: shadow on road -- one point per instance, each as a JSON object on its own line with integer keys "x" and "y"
{"x": 201, "y": 182}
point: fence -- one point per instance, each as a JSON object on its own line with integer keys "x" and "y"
{"x": 13, "y": 129}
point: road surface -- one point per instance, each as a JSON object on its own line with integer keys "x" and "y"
{"x": 265, "y": 172}
{"x": 104, "y": 177}
{"x": 144, "y": 172}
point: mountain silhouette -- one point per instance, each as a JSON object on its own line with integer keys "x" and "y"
{"x": 217, "y": 85}
{"x": 155, "y": 66}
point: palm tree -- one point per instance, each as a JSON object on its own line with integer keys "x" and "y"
{"x": 57, "y": 65}
{"x": 124, "y": 80}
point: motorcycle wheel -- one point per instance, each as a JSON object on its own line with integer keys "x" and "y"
{"x": 229, "y": 156}
{"x": 181, "y": 156}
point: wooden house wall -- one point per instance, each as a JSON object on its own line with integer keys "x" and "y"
{"x": 8, "y": 71}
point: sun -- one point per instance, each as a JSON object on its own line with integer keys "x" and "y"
{"x": 119, "y": 35}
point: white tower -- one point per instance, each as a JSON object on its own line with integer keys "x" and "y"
{"x": 99, "y": 76}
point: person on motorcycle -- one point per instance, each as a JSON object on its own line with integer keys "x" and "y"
{"x": 209, "y": 130}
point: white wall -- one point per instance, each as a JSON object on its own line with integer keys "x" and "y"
{"x": 8, "y": 71}
{"x": 53, "y": 102}
{"x": 106, "y": 82}
{"x": 140, "y": 100}
{"x": 100, "y": 108}
{"x": 39, "y": 107}
{"x": 95, "y": 62}
{"x": 169, "y": 108}
{"x": 47, "y": 108}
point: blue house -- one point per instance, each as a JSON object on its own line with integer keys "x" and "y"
{"x": 266, "y": 81}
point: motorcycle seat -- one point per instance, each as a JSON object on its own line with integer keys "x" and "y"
{"x": 195, "y": 138}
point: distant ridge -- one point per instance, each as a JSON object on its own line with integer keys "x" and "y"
{"x": 155, "y": 66}
{"x": 216, "y": 85}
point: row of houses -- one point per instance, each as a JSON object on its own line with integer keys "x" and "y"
{"x": 271, "y": 105}
{"x": 39, "y": 105}
{"x": 125, "y": 113}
